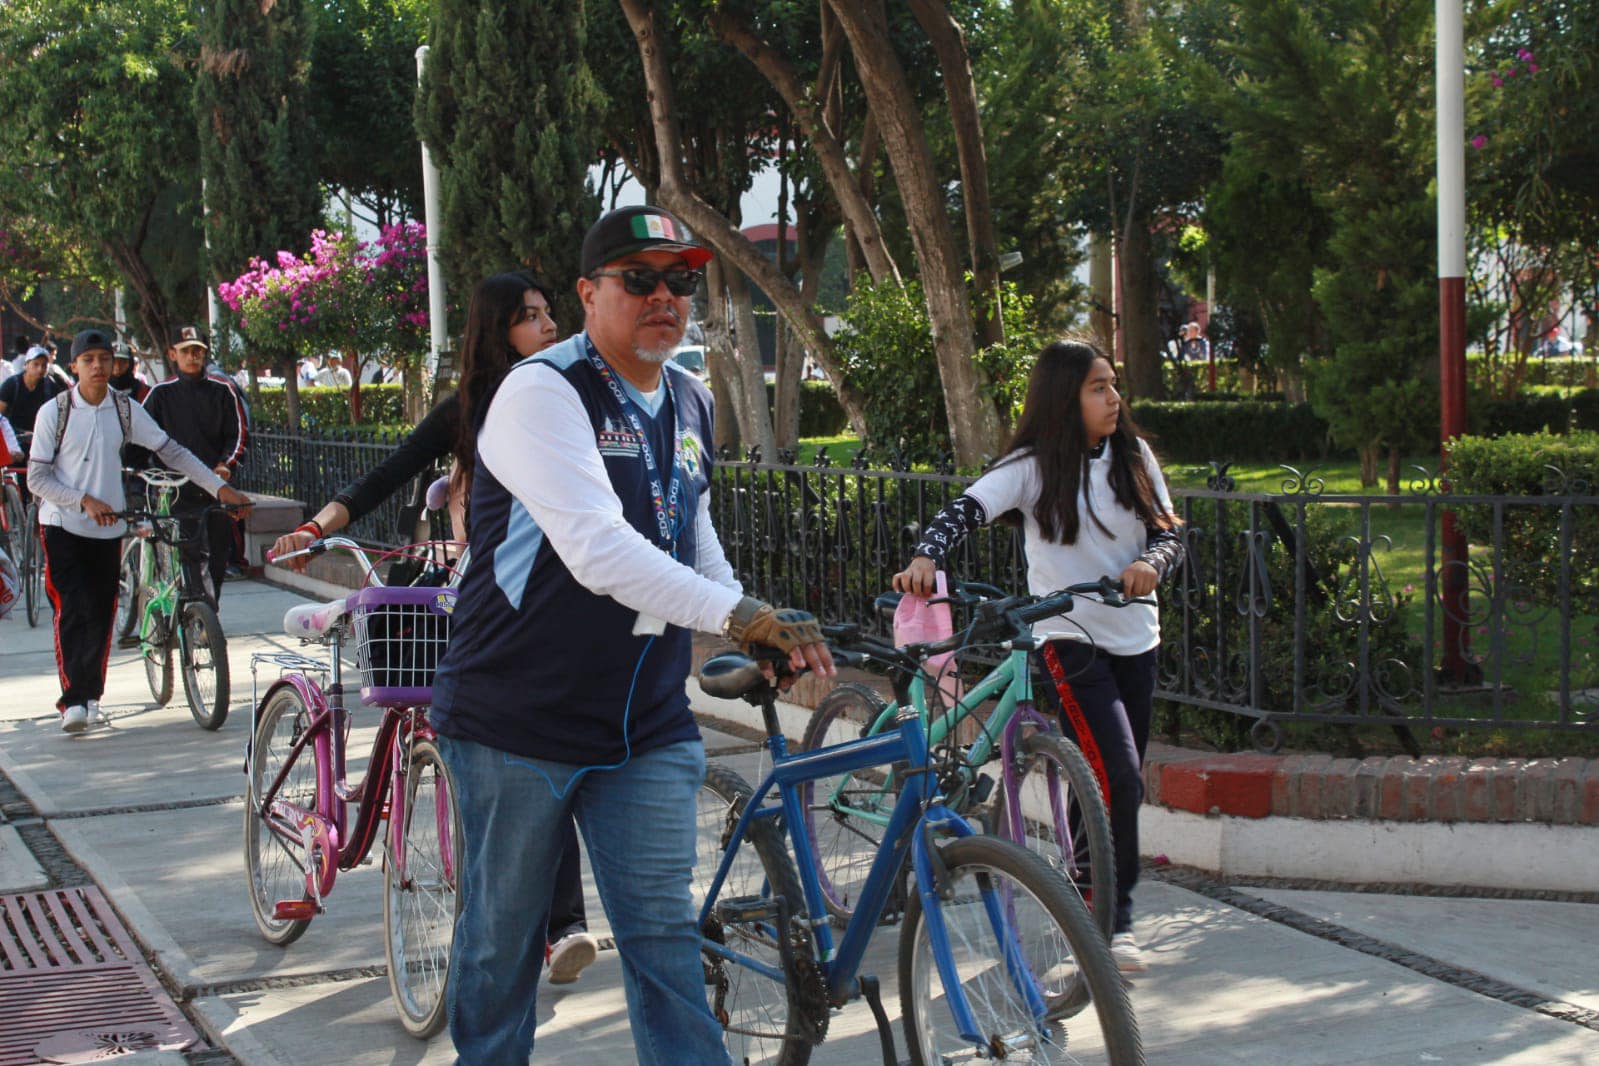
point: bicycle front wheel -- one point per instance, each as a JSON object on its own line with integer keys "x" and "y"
{"x": 420, "y": 897}
{"x": 1005, "y": 905}
{"x": 1050, "y": 803}
{"x": 15, "y": 516}
{"x": 757, "y": 1002}
{"x": 275, "y": 857}
{"x": 845, "y": 815}
{"x": 203, "y": 650}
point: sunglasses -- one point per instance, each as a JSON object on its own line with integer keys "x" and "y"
{"x": 641, "y": 281}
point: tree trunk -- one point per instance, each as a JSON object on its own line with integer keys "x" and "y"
{"x": 351, "y": 358}
{"x": 973, "y": 421}
{"x": 1368, "y": 464}
{"x": 711, "y": 226}
{"x": 755, "y": 417}
{"x": 1140, "y": 314}
{"x": 1102, "y": 316}
{"x": 291, "y": 397}
{"x": 1393, "y": 470}
{"x": 806, "y": 108}
{"x": 956, "y": 65}
{"x": 719, "y": 364}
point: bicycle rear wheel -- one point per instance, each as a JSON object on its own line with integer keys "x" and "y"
{"x": 1061, "y": 818}
{"x": 33, "y": 564}
{"x": 158, "y": 670}
{"x": 419, "y": 903}
{"x": 276, "y": 862}
{"x": 765, "y": 1018}
{"x": 130, "y": 576}
{"x": 1003, "y": 900}
{"x": 203, "y": 651}
{"x": 845, "y": 815}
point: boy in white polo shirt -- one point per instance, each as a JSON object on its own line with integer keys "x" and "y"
{"x": 76, "y": 471}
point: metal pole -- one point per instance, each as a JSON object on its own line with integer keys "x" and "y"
{"x": 1451, "y": 75}
{"x": 437, "y": 326}
{"x": 1210, "y": 311}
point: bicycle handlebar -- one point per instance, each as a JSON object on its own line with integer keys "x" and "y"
{"x": 323, "y": 545}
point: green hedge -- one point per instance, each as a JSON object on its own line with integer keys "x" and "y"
{"x": 329, "y": 406}
{"x": 1247, "y": 431}
{"x": 820, "y": 415}
{"x": 1197, "y": 431}
{"x": 1524, "y": 465}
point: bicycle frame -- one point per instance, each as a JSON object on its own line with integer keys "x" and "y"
{"x": 1010, "y": 682}
{"x": 917, "y": 814}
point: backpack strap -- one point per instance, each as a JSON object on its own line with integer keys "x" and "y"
{"x": 120, "y": 399}
{"x": 63, "y": 404}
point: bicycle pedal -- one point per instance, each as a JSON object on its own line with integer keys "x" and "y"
{"x": 743, "y": 910}
{"x": 294, "y": 910}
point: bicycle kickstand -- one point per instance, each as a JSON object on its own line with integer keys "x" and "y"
{"x": 873, "y": 994}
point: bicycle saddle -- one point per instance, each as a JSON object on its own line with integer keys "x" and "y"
{"x": 313, "y": 621}
{"x": 730, "y": 675}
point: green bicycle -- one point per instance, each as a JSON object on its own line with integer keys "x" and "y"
{"x": 1049, "y": 797}
{"x": 167, "y": 615}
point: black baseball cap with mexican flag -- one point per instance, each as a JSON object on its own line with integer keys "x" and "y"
{"x": 638, "y": 229}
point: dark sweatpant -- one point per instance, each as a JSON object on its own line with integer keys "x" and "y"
{"x": 207, "y": 546}
{"x": 566, "y": 904}
{"x": 1115, "y": 697}
{"x": 80, "y": 576}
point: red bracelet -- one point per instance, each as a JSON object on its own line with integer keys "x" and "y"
{"x": 312, "y": 526}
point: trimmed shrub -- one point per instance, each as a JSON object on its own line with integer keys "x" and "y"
{"x": 329, "y": 406}
{"x": 1535, "y": 465}
{"x": 1248, "y": 431}
{"x": 820, "y": 413}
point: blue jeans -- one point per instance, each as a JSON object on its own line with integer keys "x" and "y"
{"x": 639, "y": 824}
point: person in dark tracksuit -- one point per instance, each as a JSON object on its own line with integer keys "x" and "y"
{"x": 204, "y": 413}
{"x": 1092, "y": 502}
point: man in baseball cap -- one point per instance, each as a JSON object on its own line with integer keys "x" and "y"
{"x": 24, "y": 393}
{"x": 590, "y": 501}
{"x": 639, "y": 229}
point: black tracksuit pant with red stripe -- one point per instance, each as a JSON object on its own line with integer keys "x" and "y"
{"x": 1115, "y": 695}
{"x": 80, "y": 574}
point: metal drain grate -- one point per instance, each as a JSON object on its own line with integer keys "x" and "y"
{"x": 74, "y": 987}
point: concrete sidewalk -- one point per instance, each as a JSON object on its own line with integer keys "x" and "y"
{"x": 149, "y": 808}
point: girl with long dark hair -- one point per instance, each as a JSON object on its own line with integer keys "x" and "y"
{"x": 1092, "y": 501}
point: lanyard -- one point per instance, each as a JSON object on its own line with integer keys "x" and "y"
{"x": 666, "y": 506}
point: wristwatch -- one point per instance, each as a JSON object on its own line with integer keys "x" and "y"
{"x": 740, "y": 616}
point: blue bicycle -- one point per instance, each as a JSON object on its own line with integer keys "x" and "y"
{"x": 998, "y": 957}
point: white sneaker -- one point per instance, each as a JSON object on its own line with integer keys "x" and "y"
{"x": 75, "y": 719}
{"x": 570, "y": 956}
{"x": 94, "y": 712}
{"x": 1124, "y": 949}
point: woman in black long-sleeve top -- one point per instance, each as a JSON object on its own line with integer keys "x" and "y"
{"x": 508, "y": 319}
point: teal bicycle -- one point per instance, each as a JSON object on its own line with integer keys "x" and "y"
{"x": 170, "y": 618}
{"x": 1050, "y": 797}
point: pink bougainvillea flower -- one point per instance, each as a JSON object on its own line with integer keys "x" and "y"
{"x": 1479, "y": 141}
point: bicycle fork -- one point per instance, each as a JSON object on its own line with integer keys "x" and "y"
{"x": 934, "y": 887}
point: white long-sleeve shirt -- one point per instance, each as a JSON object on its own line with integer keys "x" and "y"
{"x": 538, "y": 442}
{"x": 89, "y": 462}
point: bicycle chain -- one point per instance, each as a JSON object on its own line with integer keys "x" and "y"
{"x": 815, "y": 1010}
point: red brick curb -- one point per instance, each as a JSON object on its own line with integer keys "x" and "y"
{"x": 1396, "y": 788}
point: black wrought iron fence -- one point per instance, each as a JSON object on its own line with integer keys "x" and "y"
{"x": 313, "y": 469}
{"x": 1296, "y": 605}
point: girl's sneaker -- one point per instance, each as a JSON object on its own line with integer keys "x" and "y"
{"x": 570, "y": 956}
{"x": 75, "y": 719}
{"x": 1124, "y": 949}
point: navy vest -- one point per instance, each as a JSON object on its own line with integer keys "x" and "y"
{"x": 537, "y": 664}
